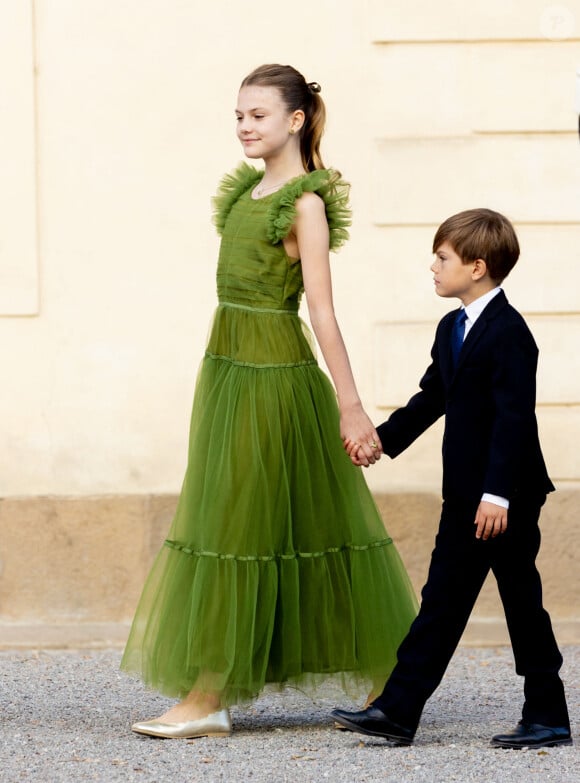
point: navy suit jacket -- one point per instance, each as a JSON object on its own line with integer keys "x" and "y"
{"x": 491, "y": 439}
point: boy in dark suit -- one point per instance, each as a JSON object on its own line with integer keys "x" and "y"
{"x": 482, "y": 377}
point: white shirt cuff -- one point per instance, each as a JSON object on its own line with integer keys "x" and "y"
{"x": 497, "y": 499}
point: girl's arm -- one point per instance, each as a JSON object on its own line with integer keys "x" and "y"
{"x": 311, "y": 234}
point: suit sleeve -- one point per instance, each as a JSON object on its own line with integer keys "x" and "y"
{"x": 514, "y": 434}
{"x": 423, "y": 409}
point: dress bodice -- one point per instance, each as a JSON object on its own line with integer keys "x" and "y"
{"x": 251, "y": 270}
{"x": 253, "y": 266}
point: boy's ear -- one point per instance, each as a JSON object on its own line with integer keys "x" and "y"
{"x": 479, "y": 269}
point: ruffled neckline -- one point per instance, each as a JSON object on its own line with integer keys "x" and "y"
{"x": 281, "y": 205}
{"x": 275, "y": 192}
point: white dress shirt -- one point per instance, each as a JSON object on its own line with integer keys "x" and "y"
{"x": 473, "y": 311}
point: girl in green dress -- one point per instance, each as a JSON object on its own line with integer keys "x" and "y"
{"x": 277, "y": 568}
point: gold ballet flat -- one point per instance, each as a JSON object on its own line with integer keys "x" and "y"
{"x": 217, "y": 724}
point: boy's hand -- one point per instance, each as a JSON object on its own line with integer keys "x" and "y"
{"x": 491, "y": 520}
{"x": 352, "y": 449}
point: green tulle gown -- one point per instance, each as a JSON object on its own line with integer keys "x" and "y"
{"x": 277, "y": 567}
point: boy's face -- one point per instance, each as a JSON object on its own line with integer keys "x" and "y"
{"x": 452, "y": 277}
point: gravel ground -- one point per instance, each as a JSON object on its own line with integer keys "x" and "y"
{"x": 65, "y": 717}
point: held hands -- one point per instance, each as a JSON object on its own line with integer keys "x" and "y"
{"x": 360, "y": 438}
{"x": 491, "y": 520}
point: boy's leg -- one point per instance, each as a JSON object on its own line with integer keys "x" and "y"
{"x": 536, "y": 652}
{"x": 457, "y": 572}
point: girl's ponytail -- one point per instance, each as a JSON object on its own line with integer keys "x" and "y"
{"x": 313, "y": 129}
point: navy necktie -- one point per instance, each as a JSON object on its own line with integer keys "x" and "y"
{"x": 457, "y": 335}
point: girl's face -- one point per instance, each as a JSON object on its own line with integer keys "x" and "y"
{"x": 264, "y": 124}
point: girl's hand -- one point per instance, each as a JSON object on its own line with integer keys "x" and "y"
{"x": 360, "y": 438}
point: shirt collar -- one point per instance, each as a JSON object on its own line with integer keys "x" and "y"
{"x": 476, "y": 308}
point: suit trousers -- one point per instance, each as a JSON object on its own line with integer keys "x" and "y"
{"x": 459, "y": 566}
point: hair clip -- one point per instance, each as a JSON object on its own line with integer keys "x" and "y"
{"x": 314, "y": 87}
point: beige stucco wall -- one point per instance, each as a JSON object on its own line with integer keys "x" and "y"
{"x": 115, "y": 125}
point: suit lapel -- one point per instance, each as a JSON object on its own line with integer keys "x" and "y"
{"x": 445, "y": 359}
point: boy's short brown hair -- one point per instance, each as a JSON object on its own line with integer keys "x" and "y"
{"x": 481, "y": 233}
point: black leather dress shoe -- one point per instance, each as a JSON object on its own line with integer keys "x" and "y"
{"x": 375, "y": 723}
{"x": 533, "y": 735}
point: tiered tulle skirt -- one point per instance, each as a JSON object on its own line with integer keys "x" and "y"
{"x": 277, "y": 567}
